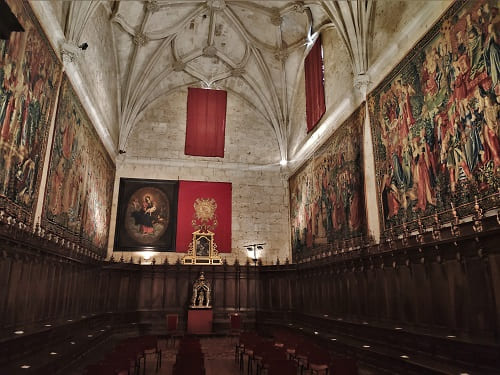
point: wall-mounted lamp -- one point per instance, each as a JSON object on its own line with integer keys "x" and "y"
{"x": 252, "y": 250}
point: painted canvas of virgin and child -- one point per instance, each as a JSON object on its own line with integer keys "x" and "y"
{"x": 146, "y": 217}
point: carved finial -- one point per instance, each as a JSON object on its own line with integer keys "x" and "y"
{"x": 455, "y": 230}
{"x": 404, "y": 240}
{"x": 420, "y": 235}
{"x": 436, "y": 228}
{"x": 478, "y": 217}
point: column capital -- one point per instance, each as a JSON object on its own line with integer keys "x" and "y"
{"x": 361, "y": 83}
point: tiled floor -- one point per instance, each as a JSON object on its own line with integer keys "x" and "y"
{"x": 219, "y": 358}
{"x": 218, "y": 351}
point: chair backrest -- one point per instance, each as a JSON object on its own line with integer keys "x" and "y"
{"x": 172, "y": 322}
{"x": 282, "y": 367}
{"x": 235, "y": 320}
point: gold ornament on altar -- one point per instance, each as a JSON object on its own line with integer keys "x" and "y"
{"x": 205, "y": 218}
{"x": 203, "y": 249}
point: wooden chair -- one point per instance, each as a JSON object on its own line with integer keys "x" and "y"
{"x": 234, "y": 325}
{"x": 173, "y": 331}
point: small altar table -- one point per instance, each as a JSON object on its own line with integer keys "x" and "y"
{"x": 200, "y": 321}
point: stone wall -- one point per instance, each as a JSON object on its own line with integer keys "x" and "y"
{"x": 260, "y": 191}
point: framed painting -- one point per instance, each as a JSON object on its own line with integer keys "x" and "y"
{"x": 30, "y": 74}
{"x": 146, "y": 215}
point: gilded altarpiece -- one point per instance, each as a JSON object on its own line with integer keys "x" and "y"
{"x": 29, "y": 77}
{"x": 81, "y": 176}
{"x": 435, "y": 121}
{"x": 327, "y": 199}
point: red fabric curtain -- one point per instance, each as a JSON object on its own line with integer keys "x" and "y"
{"x": 315, "y": 90}
{"x": 189, "y": 192}
{"x": 206, "y": 122}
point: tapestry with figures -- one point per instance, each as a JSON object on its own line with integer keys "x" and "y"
{"x": 81, "y": 176}
{"x": 29, "y": 77}
{"x": 327, "y": 199}
{"x": 435, "y": 120}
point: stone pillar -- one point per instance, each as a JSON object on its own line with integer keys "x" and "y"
{"x": 361, "y": 82}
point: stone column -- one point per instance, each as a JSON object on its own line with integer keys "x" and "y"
{"x": 361, "y": 83}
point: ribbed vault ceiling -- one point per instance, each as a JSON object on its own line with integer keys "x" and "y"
{"x": 253, "y": 49}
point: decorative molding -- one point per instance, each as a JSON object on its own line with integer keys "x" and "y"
{"x": 124, "y": 160}
{"x": 217, "y": 5}
{"x": 210, "y": 51}
{"x": 140, "y": 39}
{"x": 361, "y": 83}
{"x": 179, "y": 66}
{"x": 152, "y": 6}
{"x": 238, "y": 72}
{"x": 70, "y": 52}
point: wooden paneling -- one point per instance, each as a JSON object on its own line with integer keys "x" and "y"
{"x": 459, "y": 296}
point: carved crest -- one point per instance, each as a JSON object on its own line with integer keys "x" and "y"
{"x": 204, "y": 214}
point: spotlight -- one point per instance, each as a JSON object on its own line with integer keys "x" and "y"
{"x": 83, "y": 46}
{"x": 122, "y": 151}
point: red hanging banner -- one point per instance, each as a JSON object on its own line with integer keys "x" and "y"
{"x": 205, "y": 122}
{"x": 204, "y": 205}
{"x": 315, "y": 90}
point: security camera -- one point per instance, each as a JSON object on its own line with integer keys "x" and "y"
{"x": 83, "y": 46}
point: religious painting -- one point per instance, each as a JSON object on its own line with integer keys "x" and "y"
{"x": 80, "y": 178}
{"x": 29, "y": 78}
{"x": 146, "y": 215}
{"x": 327, "y": 199}
{"x": 436, "y": 120}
